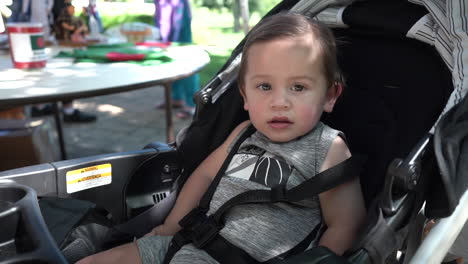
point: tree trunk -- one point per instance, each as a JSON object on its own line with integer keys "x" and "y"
{"x": 244, "y": 10}
{"x": 236, "y": 15}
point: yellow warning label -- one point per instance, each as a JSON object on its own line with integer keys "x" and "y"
{"x": 89, "y": 177}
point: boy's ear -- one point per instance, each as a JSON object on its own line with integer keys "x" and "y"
{"x": 332, "y": 95}
{"x": 242, "y": 93}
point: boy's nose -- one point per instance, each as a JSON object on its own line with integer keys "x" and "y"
{"x": 279, "y": 100}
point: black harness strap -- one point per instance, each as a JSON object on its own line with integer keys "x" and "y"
{"x": 203, "y": 230}
{"x": 321, "y": 182}
{"x": 226, "y": 253}
{"x": 324, "y": 181}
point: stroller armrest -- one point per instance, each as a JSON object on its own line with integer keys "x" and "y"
{"x": 42, "y": 178}
{"x": 51, "y": 178}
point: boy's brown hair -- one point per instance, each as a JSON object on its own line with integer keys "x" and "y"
{"x": 288, "y": 25}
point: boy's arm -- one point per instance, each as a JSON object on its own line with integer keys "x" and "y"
{"x": 196, "y": 186}
{"x": 343, "y": 207}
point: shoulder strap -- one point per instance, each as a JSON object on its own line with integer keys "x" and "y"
{"x": 206, "y": 199}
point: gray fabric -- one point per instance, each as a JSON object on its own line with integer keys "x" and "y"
{"x": 153, "y": 248}
{"x": 84, "y": 241}
{"x": 268, "y": 230}
{"x": 305, "y": 153}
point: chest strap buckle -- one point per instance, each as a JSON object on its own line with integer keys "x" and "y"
{"x": 203, "y": 233}
{"x": 199, "y": 228}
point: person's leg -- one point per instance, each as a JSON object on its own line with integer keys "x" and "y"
{"x": 71, "y": 114}
{"x": 177, "y": 97}
{"x": 193, "y": 85}
{"x": 190, "y": 87}
{"x": 177, "y": 92}
{"x": 67, "y": 107}
{"x": 39, "y": 110}
{"x": 127, "y": 253}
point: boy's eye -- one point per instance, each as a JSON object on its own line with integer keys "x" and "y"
{"x": 264, "y": 86}
{"x": 298, "y": 87}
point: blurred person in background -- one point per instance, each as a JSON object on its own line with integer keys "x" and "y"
{"x": 46, "y": 12}
{"x": 69, "y": 27}
{"x": 61, "y": 9}
{"x": 41, "y": 12}
{"x": 173, "y": 18}
{"x": 5, "y": 12}
{"x": 91, "y": 16}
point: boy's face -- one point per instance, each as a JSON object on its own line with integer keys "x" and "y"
{"x": 285, "y": 90}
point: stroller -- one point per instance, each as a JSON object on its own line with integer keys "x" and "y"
{"x": 403, "y": 108}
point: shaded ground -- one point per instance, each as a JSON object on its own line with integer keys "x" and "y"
{"x": 126, "y": 121}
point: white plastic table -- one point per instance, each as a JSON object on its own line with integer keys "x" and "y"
{"x": 64, "y": 80}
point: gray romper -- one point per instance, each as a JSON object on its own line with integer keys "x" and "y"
{"x": 264, "y": 231}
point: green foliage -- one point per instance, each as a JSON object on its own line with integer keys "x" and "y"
{"x": 109, "y": 21}
{"x": 255, "y": 6}
{"x": 262, "y": 7}
{"x": 210, "y": 4}
{"x": 213, "y": 30}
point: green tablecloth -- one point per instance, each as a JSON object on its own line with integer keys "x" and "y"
{"x": 100, "y": 53}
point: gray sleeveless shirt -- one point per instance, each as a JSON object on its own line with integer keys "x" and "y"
{"x": 265, "y": 231}
{"x": 268, "y": 230}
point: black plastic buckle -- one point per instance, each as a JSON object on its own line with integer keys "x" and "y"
{"x": 205, "y": 232}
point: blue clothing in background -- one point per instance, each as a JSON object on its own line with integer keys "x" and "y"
{"x": 173, "y": 18}
{"x": 92, "y": 11}
{"x": 18, "y": 14}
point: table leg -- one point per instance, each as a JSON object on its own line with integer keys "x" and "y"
{"x": 58, "y": 124}
{"x": 169, "y": 124}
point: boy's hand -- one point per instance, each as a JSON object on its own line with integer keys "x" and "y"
{"x": 155, "y": 231}
{"x": 161, "y": 230}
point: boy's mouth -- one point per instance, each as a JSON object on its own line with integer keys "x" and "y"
{"x": 280, "y": 122}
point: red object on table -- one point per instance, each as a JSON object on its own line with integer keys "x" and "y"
{"x": 154, "y": 44}
{"x": 118, "y": 56}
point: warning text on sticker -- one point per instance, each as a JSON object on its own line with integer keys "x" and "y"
{"x": 90, "y": 177}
